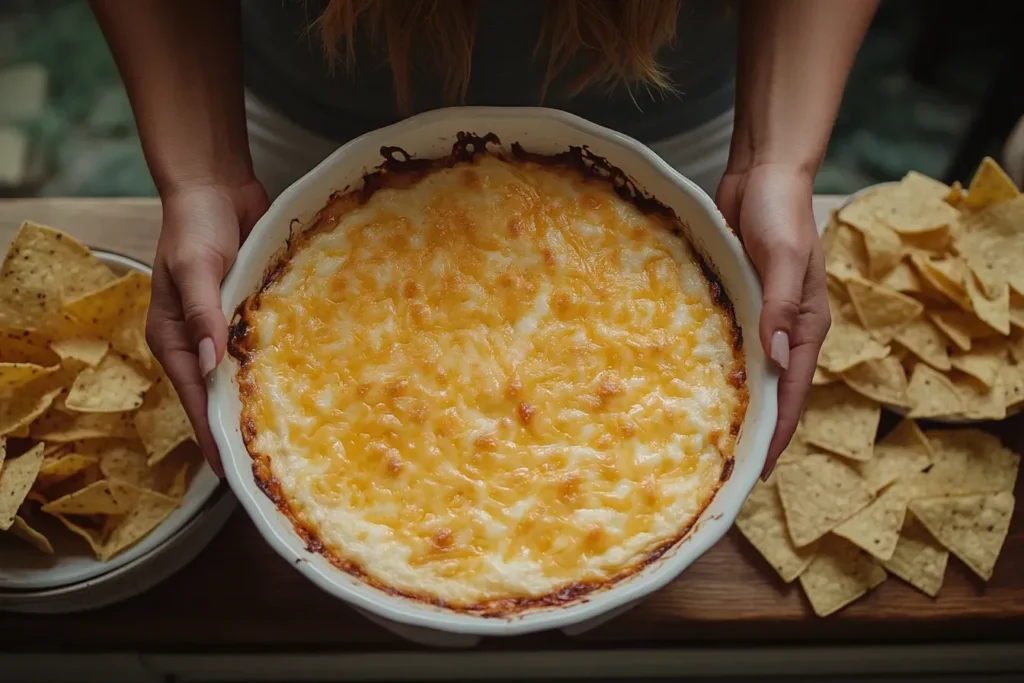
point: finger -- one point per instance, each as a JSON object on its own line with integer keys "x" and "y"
{"x": 793, "y": 387}
{"x": 795, "y": 381}
{"x": 169, "y": 341}
{"x": 782, "y": 276}
{"x": 182, "y": 366}
{"x": 197, "y": 275}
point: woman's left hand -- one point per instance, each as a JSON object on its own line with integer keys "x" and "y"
{"x": 770, "y": 206}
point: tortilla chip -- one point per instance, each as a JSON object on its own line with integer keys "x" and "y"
{"x": 1016, "y": 346}
{"x": 971, "y": 527}
{"x": 902, "y": 278}
{"x": 16, "y": 479}
{"x": 84, "y": 349}
{"x": 179, "y": 483}
{"x": 925, "y": 341}
{"x": 884, "y": 249}
{"x": 104, "y": 497}
{"x": 1013, "y": 386}
{"x": 106, "y": 305}
{"x": 933, "y": 243}
{"x": 149, "y": 511}
{"x": 22, "y": 530}
{"x": 995, "y": 310}
{"x": 906, "y": 210}
{"x": 951, "y": 329}
{"x": 883, "y": 380}
{"x": 763, "y": 522}
{"x": 127, "y": 461}
{"x": 932, "y": 394}
{"x": 921, "y": 185}
{"x": 161, "y": 421}
{"x": 64, "y": 467}
{"x": 26, "y": 346}
{"x": 883, "y": 312}
{"x": 130, "y": 337}
{"x": 977, "y": 401}
{"x": 1016, "y": 310}
{"x": 903, "y": 452}
{"x": 113, "y": 386}
{"x": 839, "y": 574}
{"x": 847, "y": 254}
{"x": 918, "y": 558}
{"x": 117, "y": 312}
{"x": 841, "y": 421}
{"x": 881, "y": 243}
{"x": 58, "y": 426}
{"x": 945, "y": 275}
{"x": 16, "y": 375}
{"x": 960, "y": 326}
{"x": 968, "y": 461}
{"x": 17, "y": 412}
{"x": 41, "y": 268}
{"x": 857, "y": 213}
{"x": 823, "y": 376}
{"x": 876, "y": 528}
{"x": 796, "y": 448}
{"x": 989, "y": 185}
{"x": 837, "y": 296}
{"x": 848, "y": 344}
{"x": 94, "y": 537}
{"x": 993, "y": 246}
{"x": 818, "y": 492}
{"x": 984, "y": 362}
{"x": 955, "y": 197}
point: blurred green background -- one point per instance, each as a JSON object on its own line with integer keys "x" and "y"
{"x": 918, "y": 83}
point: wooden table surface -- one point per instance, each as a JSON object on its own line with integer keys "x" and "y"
{"x": 239, "y": 595}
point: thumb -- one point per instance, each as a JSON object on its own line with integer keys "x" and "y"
{"x": 197, "y": 277}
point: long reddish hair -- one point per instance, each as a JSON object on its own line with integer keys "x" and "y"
{"x": 621, "y": 38}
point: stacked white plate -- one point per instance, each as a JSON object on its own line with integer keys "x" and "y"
{"x": 73, "y": 580}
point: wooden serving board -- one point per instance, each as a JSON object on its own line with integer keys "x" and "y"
{"x": 239, "y": 595}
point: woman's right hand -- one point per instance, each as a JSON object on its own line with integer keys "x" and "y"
{"x": 203, "y": 225}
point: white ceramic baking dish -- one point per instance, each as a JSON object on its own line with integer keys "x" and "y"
{"x": 543, "y": 131}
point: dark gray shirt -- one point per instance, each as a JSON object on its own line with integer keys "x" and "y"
{"x": 285, "y": 67}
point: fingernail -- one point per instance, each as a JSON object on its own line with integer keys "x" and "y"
{"x": 780, "y": 348}
{"x": 208, "y": 356}
{"x": 766, "y": 475}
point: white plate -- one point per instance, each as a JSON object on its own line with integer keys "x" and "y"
{"x": 133, "y": 578}
{"x": 900, "y": 410}
{"x": 543, "y": 131}
{"x": 22, "y": 567}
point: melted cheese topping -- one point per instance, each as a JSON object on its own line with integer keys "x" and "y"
{"x": 494, "y": 384}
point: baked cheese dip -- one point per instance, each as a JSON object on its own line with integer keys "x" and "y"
{"x": 490, "y": 382}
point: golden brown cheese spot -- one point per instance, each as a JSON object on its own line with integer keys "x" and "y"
{"x": 490, "y": 394}
{"x": 443, "y": 539}
{"x": 525, "y": 412}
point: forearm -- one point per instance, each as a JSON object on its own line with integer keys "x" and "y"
{"x": 794, "y": 58}
{"x": 182, "y": 66}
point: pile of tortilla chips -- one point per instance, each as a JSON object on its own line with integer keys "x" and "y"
{"x": 91, "y": 431}
{"x": 840, "y": 523}
{"x": 926, "y": 287}
{"x": 925, "y": 282}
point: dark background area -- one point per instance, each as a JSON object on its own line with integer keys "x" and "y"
{"x": 937, "y": 85}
